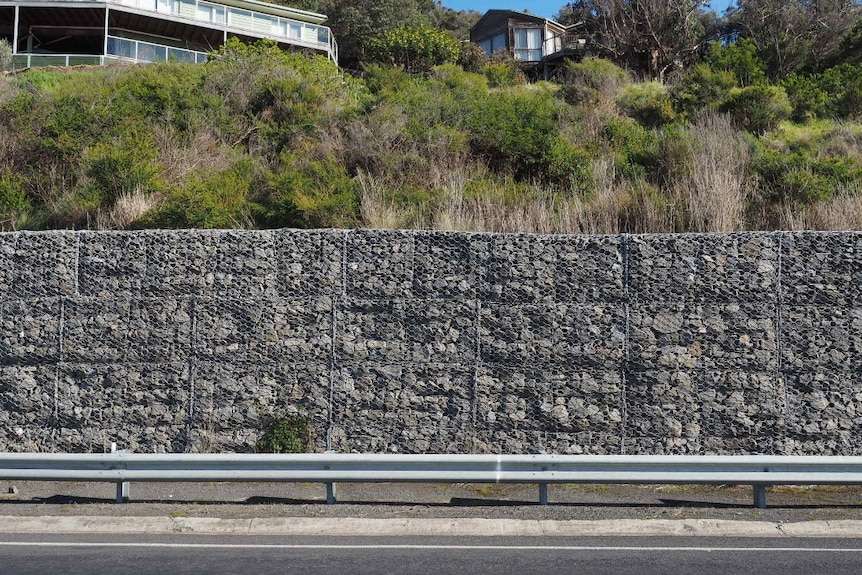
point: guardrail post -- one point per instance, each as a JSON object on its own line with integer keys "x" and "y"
{"x": 760, "y": 496}
{"x": 123, "y": 487}
{"x": 330, "y": 493}
{"x": 122, "y": 491}
{"x": 543, "y": 493}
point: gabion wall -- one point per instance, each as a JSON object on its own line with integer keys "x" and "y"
{"x": 403, "y": 341}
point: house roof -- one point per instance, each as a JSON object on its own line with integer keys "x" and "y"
{"x": 491, "y": 14}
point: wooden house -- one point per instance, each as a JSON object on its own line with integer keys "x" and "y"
{"x": 539, "y": 44}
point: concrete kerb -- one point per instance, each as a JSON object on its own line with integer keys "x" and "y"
{"x": 436, "y": 527}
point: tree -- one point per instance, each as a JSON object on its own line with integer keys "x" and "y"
{"x": 791, "y": 35}
{"x": 415, "y": 48}
{"x": 355, "y": 22}
{"x": 648, "y": 36}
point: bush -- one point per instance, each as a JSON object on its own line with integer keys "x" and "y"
{"x": 415, "y": 48}
{"x": 308, "y": 191}
{"x": 740, "y": 59}
{"x": 635, "y": 148}
{"x": 503, "y": 70}
{"x": 807, "y": 96}
{"x": 588, "y": 81}
{"x": 15, "y": 207}
{"x": 758, "y": 109}
{"x": 515, "y": 131}
{"x": 289, "y": 433}
{"x": 472, "y": 58}
{"x": 5, "y": 55}
{"x": 215, "y": 201}
{"x": 703, "y": 89}
{"x": 648, "y": 103}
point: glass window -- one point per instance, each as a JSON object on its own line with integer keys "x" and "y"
{"x": 528, "y": 44}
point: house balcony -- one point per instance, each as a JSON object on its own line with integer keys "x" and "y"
{"x": 77, "y": 31}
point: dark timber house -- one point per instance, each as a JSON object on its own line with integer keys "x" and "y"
{"x": 71, "y": 32}
{"x": 539, "y": 44}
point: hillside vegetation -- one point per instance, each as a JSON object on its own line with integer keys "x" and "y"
{"x": 257, "y": 138}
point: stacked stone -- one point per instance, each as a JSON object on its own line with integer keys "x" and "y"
{"x": 821, "y": 346}
{"x": 396, "y": 341}
{"x": 703, "y": 367}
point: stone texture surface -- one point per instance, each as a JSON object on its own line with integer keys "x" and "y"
{"x": 399, "y": 341}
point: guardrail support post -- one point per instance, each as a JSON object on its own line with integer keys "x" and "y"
{"x": 760, "y": 496}
{"x": 543, "y": 493}
{"x": 330, "y": 493}
{"x": 122, "y": 491}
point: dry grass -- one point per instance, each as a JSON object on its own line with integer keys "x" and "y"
{"x": 194, "y": 152}
{"x": 127, "y": 209}
{"x": 842, "y": 212}
{"x": 713, "y": 183}
{"x": 376, "y": 209}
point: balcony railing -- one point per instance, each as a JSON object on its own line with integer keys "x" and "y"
{"x": 566, "y": 42}
{"x": 119, "y": 49}
{"x": 137, "y": 51}
{"x": 275, "y": 27}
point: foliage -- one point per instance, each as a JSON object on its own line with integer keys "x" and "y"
{"x": 502, "y": 70}
{"x": 416, "y": 48}
{"x": 305, "y": 191}
{"x": 648, "y": 37}
{"x": 648, "y": 102}
{"x": 791, "y": 35}
{"x": 703, "y": 89}
{"x": 834, "y": 93}
{"x": 758, "y": 109}
{"x": 516, "y": 130}
{"x": 214, "y": 201}
{"x": 288, "y": 433}
{"x": 5, "y": 55}
{"x": 740, "y": 59}
{"x": 634, "y": 147}
{"x": 15, "y": 206}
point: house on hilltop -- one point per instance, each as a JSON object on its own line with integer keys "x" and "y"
{"x": 540, "y": 45}
{"x": 96, "y": 32}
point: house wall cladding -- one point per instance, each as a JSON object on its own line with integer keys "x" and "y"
{"x": 412, "y": 341}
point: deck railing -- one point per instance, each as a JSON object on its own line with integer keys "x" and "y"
{"x": 276, "y": 27}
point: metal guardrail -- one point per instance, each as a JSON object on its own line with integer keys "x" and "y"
{"x": 123, "y": 468}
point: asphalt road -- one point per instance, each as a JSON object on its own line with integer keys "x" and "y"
{"x": 187, "y": 554}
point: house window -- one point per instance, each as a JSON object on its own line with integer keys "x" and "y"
{"x": 528, "y": 44}
{"x": 210, "y": 13}
{"x": 494, "y": 44}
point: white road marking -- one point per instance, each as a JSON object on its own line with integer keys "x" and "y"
{"x": 424, "y": 547}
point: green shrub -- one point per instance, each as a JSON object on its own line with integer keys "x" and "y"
{"x": 758, "y": 109}
{"x": 5, "y": 55}
{"x": 503, "y": 70}
{"x": 648, "y": 103}
{"x": 844, "y": 83}
{"x": 472, "y": 58}
{"x": 515, "y": 131}
{"x": 634, "y": 147}
{"x": 288, "y": 433}
{"x": 417, "y": 49}
{"x": 16, "y": 211}
{"x": 307, "y": 191}
{"x": 215, "y": 201}
{"x": 740, "y": 59}
{"x": 802, "y": 176}
{"x": 596, "y": 73}
{"x": 807, "y": 96}
{"x": 703, "y": 88}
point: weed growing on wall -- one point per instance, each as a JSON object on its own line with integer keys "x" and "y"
{"x": 288, "y": 433}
